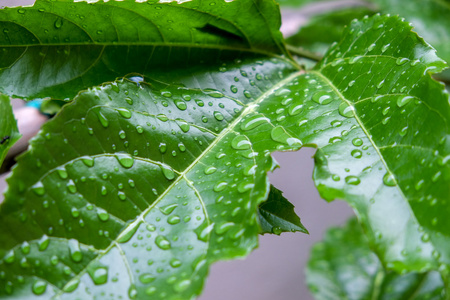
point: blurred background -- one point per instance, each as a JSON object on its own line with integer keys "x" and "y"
{"x": 276, "y": 269}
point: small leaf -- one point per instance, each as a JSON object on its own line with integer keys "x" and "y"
{"x": 343, "y": 266}
{"x": 9, "y": 133}
{"x": 277, "y": 215}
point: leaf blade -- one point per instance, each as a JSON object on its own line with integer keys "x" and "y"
{"x": 9, "y": 133}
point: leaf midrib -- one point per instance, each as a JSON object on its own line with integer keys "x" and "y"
{"x": 249, "y": 108}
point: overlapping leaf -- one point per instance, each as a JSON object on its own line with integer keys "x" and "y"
{"x": 9, "y": 133}
{"x": 56, "y": 48}
{"x": 342, "y": 266}
{"x": 277, "y": 215}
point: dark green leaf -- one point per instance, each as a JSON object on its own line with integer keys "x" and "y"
{"x": 342, "y": 266}
{"x": 430, "y": 18}
{"x": 277, "y": 215}
{"x": 322, "y": 30}
{"x": 57, "y": 48}
{"x": 111, "y": 165}
{"x": 9, "y": 133}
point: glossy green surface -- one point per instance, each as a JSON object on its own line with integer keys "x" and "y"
{"x": 323, "y": 30}
{"x": 9, "y": 133}
{"x": 57, "y": 48}
{"x": 135, "y": 188}
{"x": 342, "y": 266}
{"x": 277, "y": 215}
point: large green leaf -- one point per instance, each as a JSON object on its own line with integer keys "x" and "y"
{"x": 342, "y": 266}
{"x": 9, "y": 133}
{"x": 56, "y": 48}
{"x": 132, "y": 179}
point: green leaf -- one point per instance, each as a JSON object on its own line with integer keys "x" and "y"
{"x": 343, "y": 266}
{"x": 104, "y": 184}
{"x": 322, "y": 30}
{"x": 9, "y": 133}
{"x": 430, "y": 19}
{"x": 56, "y": 48}
{"x": 277, "y": 215}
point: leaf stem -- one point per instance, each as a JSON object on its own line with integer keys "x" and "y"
{"x": 303, "y": 53}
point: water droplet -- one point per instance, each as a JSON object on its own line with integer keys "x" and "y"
{"x": 129, "y": 100}
{"x": 218, "y": 116}
{"x": 401, "y": 61}
{"x": 385, "y": 47}
{"x": 99, "y": 276}
{"x": 223, "y": 228}
{"x": 182, "y": 285}
{"x": 25, "y": 247}
{"x": 181, "y": 146}
{"x": 295, "y": 109}
{"x": 253, "y": 122}
{"x": 124, "y": 113}
{"x": 425, "y": 237}
{"x": 210, "y": 170}
{"x": 167, "y": 172}
{"x": 38, "y": 189}
{"x": 436, "y": 176}
{"x": 245, "y": 187}
{"x": 240, "y": 142}
{"x": 220, "y": 186}
{"x": 10, "y": 257}
{"x": 58, "y": 23}
{"x": 357, "y": 142}
{"x": 213, "y": 93}
{"x": 102, "y": 214}
{"x": 125, "y": 160}
{"x": 181, "y": 105}
{"x": 122, "y": 134}
{"x": 127, "y": 234}
{"x": 104, "y": 191}
{"x": 356, "y": 153}
{"x": 75, "y": 212}
{"x": 353, "y": 180}
{"x": 103, "y": 120}
{"x": 278, "y": 134}
{"x": 71, "y": 285}
{"x": 39, "y": 287}
{"x": 247, "y": 94}
{"x": 354, "y": 59}
{"x": 146, "y": 278}
{"x": 172, "y": 220}
{"x": 345, "y": 110}
{"x": 75, "y": 251}
{"x": 336, "y": 177}
{"x": 162, "y": 242}
{"x": 419, "y": 184}
{"x": 62, "y": 172}
{"x": 371, "y": 47}
{"x": 168, "y": 209}
{"x": 234, "y": 89}
{"x": 402, "y": 101}
{"x": 132, "y": 292}
{"x": 139, "y": 129}
{"x": 43, "y": 243}
{"x": 380, "y": 84}
{"x": 204, "y": 233}
{"x": 388, "y": 179}
{"x": 322, "y": 98}
{"x": 71, "y": 187}
{"x": 162, "y": 117}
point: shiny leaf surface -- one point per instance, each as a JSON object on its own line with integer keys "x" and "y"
{"x": 277, "y": 215}
{"x": 159, "y": 180}
{"x": 9, "y": 133}
{"x": 57, "y": 48}
{"x": 343, "y": 266}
